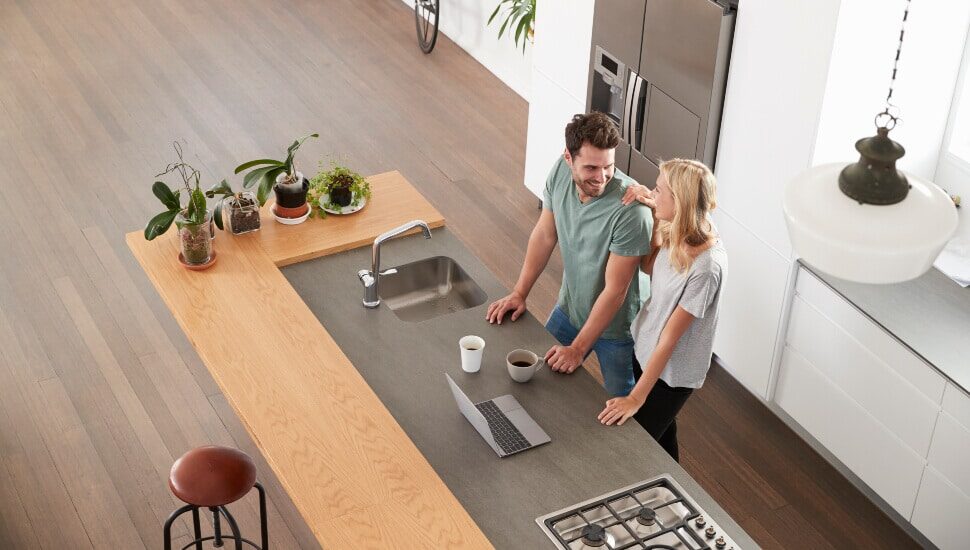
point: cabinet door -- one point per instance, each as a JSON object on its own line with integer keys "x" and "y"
{"x": 870, "y": 336}
{"x": 643, "y": 170}
{"x": 618, "y": 29}
{"x": 566, "y": 26}
{"x": 670, "y": 130}
{"x": 857, "y": 439}
{"x": 547, "y": 123}
{"x": 861, "y": 374}
{"x": 941, "y": 512}
{"x": 950, "y": 452}
{"x": 751, "y": 304}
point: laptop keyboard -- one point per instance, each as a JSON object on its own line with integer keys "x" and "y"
{"x": 506, "y": 435}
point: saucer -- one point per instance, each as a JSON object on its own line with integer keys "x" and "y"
{"x": 198, "y": 267}
{"x": 290, "y": 221}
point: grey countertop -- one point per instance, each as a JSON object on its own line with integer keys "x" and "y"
{"x": 405, "y": 363}
{"x": 930, "y": 315}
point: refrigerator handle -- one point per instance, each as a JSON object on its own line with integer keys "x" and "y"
{"x": 638, "y": 104}
{"x": 626, "y": 127}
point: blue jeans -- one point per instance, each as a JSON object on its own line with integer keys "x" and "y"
{"x": 615, "y": 356}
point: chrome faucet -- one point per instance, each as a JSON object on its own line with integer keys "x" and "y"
{"x": 371, "y": 278}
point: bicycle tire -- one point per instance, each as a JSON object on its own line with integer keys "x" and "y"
{"x": 426, "y": 16}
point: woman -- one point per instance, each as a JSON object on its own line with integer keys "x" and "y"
{"x": 674, "y": 331}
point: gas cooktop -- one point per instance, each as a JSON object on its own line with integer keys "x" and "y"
{"x": 654, "y": 514}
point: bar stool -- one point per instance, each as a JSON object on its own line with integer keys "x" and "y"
{"x": 213, "y": 477}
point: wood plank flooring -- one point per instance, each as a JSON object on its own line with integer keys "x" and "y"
{"x": 100, "y": 390}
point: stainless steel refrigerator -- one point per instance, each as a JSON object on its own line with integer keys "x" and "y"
{"x": 658, "y": 68}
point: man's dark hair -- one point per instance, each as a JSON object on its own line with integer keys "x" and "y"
{"x": 595, "y": 129}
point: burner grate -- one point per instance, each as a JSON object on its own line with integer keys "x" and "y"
{"x": 668, "y": 513}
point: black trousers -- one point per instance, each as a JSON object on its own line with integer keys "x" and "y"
{"x": 658, "y": 415}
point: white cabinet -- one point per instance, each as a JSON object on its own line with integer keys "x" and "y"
{"x": 870, "y": 336}
{"x": 548, "y": 114}
{"x": 950, "y": 453}
{"x": 564, "y": 29}
{"x": 774, "y": 93}
{"x": 882, "y": 411}
{"x": 560, "y": 71}
{"x": 751, "y": 304}
{"x": 943, "y": 505}
{"x": 941, "y": 512}
{"x": 858, "y": 440}
{"x": 887, "y": 381}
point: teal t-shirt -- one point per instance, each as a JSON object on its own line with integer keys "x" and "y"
{"x": 588, "y": 233}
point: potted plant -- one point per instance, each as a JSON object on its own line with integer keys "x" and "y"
{"x": 194, "y": 221}
{"x": 518, "y": 14}
{"x": 287, "y": 183}
{"x": 338, "y": 187}
{"x": 243, "y": 208}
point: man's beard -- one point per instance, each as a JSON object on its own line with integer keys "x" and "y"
{"x": 591, "y": 188}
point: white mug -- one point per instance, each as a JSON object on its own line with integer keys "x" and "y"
{"x": 525, "y": 372}
{"x": 472, "y": 349}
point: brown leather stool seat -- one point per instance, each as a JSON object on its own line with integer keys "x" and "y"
{"x": 212, "y": 476}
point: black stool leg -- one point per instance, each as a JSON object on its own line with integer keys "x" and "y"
{"x": 262, "y": 516}
{"x": 167, "y": 533}
{"x": 198, "y": 527}
{"x": 216, "y": 527}
{"x": 232, "y": 525}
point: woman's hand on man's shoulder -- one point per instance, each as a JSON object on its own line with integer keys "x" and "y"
{"x": 638, "y": 193}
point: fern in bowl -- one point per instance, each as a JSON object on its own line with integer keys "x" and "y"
{"x": 336, "y": 188}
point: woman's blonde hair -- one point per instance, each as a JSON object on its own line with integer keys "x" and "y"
{"x": 695, "y": 195}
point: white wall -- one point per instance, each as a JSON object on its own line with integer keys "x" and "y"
{"x": 862, "y": 58}
{"x": 953, "y": 172}
{"x": 463, "y": 21}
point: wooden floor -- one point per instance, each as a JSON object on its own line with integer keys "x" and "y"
{"x": 99, "y": 389}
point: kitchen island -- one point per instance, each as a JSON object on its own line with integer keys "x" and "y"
{"x": 356, "y": 420}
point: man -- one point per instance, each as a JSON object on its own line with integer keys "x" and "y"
{"x": 601, "y": 240}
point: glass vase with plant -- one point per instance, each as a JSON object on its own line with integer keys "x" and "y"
{"x": 242, "y": 206}
{"x": 336, "y": 188}
{"x": 287, "y": 183}
{"x": 194, "y": 221}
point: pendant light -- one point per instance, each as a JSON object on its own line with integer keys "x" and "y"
{"x": 869, "y": 222}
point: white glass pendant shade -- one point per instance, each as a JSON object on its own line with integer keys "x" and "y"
{"x": 866, "y": 243}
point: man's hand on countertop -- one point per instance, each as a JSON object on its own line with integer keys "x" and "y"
{"x": 565, "y": 359}
{"x": 514, "y": 303}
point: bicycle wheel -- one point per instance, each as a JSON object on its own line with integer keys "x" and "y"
{"x": 426, "y": 23}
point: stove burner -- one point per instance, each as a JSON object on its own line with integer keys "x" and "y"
{"x": 594, "y": 535}
{"x": 646, "y": 516}
{"x": 655, "y": 514}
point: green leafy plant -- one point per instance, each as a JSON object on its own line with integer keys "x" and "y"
{"x": 193, "y": 213}
{"x": 518, "y": 14}
{"x": 263, "y": 172}
{"x": 327, "y": 180}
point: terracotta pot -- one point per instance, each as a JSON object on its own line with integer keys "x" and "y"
{"x": 296, "y": 212}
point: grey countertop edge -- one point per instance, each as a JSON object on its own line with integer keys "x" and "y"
{"x": 504, "y": 496}
{"x": 955, "y": 370}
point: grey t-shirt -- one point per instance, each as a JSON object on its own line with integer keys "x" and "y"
{"x": 698, "y": 291}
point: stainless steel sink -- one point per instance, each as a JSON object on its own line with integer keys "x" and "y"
{"x": 429, "y": 288}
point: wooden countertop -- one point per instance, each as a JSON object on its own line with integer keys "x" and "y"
{"x": 352, "y": 472}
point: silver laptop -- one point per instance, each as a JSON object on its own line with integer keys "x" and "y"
{"x": 502, "y": 422}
